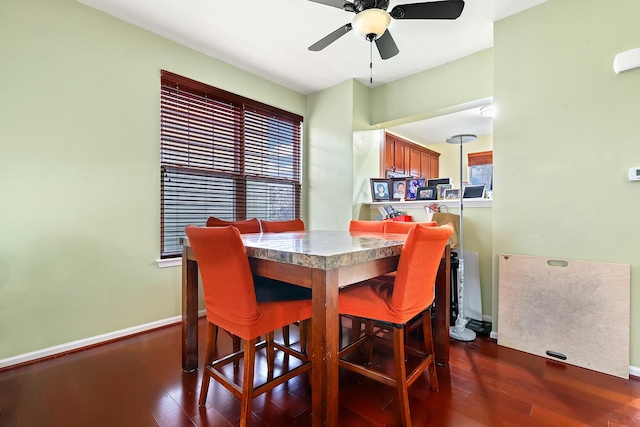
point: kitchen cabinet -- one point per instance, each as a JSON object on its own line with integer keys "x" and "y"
{"x": 402, "y": 157}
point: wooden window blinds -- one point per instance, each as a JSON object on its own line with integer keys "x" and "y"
{"x": 223, "y": 155}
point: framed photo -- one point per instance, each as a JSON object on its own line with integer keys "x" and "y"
{"x": 438, "y": 181}
{"x": 398, "y": 188}
{"x": 427, "y": 193}
{"x": 441, "y": 188}
{"x": 397, "y": 175}
{"x": 473, "y": 192}
{"x": 380, "y": 189}
{"x": 451, "y": 193}
{"x": 412, "y": 187}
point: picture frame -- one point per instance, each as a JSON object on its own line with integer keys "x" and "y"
{"x": 427, "y": 193}
{"x": 412, "y": 186}
{"x": 438, "y": 181}
{"x": 441, "y": 189}
{"x": 474, "y": 191}
{"x": 380, "y": 189}
{"x": 451, "y": 194}
{"x": 398, "y": 188}
{"x": 391, "y": 175}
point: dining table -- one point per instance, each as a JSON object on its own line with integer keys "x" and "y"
{"x": 324, "y": 261}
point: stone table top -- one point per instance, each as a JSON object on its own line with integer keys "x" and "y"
{"x": 323, "y": 249}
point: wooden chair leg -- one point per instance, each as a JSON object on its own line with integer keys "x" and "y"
{"x": 212, "y": 337}
{"x": 356, "y": 326}
{"x": 368, "y": 331}
{"x": 285, "y": 336}
{"x": 236, "y": 348}
{"x": 247, "y": 382}
{"x": 303, "y": 326}
{"x": 271, "y": 353}
{"x": 428, "y": 345}
{"x": 401, "y": 376}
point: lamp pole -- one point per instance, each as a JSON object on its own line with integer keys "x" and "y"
{"x": 459, "y": 331}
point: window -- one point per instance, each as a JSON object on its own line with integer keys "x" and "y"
{"x": 223, "y": 155}
{"x": 481, "y": 169}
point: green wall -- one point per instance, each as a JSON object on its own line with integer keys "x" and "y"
{"x": 458, "y": 85}
{"x": 565, "y": 137}
{"x": 80, "y": 217}
{"x": 329, "y": 157}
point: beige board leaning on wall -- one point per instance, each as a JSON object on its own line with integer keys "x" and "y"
{"x": 568, "y": 310}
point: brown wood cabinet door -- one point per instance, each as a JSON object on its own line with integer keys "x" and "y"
{"x": 414, "y": 162}
{"x": 389, "y": 154}
{"x": 398, "y": 163}
{"x": 425, "y": 165}
{"x": 407, "y": 159}
{"x": 435, "y": 167}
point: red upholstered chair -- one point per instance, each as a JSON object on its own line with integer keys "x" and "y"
{"x": 395, "y": 303}
{"x": 364, "y": 226}
{"x": 282, "y": 226}
{"x": 266, "y": 289}
{"x": 247, "y": 226}
{"x": 231, "y": 304}
{"x": 367, "y": 226}
{"x": 401, "y": 227}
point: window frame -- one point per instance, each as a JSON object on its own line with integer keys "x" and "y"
{"x": 189, "y": 151}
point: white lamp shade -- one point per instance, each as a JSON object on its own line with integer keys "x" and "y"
{"x": 371, "y": 21}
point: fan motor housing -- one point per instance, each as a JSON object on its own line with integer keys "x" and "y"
{"x": 360, "y": 5}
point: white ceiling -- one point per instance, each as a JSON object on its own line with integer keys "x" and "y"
{"x": 269, "y": 38}
{"x": 436, "y": 130}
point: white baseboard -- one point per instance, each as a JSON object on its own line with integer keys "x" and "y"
{"x": 85, "y": 342}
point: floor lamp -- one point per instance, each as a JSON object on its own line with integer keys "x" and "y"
{"x": 459, "y": 331}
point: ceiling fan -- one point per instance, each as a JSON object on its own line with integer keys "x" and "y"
{"x": 372, "y": 20}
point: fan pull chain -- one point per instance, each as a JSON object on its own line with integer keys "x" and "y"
{"x": 371, "y": 62}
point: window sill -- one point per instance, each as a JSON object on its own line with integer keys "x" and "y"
{"x": 169, "y": 262}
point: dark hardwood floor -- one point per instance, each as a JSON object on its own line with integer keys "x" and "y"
{"x": 138, "y": 382}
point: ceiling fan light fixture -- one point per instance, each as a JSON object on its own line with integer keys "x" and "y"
{"x": 371, "y": 21}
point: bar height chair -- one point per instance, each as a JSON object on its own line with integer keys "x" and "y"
{"x": 268, "y": 290}
{"x": 231, "y": 304}
{"x": 282, "y": 226}
{"x": 292, "y": 292}
{"x": 393, "y": 304}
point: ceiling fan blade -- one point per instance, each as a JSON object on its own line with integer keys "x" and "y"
{"x": 448, "y": 9}
{"x": 335, "y": 3}
{"x": 387, "y": 46}
{"x": 327, "y": 40}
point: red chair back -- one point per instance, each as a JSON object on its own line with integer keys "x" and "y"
{"x": 419, "y": 262}
{"x": 226, "y": 276}
{"x": 366, "y": 226}
{"x": 282, "y": 226}
{"x": 248, "y": 226}
{"x": 401, "y": 227}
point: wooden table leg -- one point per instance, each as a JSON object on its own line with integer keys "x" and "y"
{"x": 189, "y": 312}
{"x": 324, "y": 348}
{"x": 443, "y": 310}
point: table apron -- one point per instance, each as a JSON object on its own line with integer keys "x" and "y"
{"x": 301, "y": 275}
